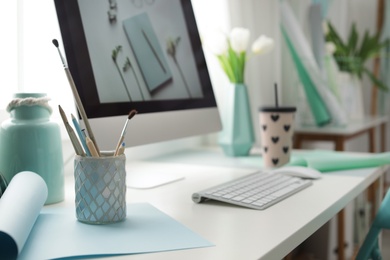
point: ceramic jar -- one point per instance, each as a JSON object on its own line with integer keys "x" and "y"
{"x": 30, "y": 141}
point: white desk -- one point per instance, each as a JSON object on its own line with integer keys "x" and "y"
{"x": 240, "y": 233}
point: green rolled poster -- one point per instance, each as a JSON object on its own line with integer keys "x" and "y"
{"x": 320, "y": 112}
{"x": 339, "y": 161}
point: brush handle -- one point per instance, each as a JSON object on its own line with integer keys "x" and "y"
{"x": 81, "y": 108}
{"x": 118, "y": 146}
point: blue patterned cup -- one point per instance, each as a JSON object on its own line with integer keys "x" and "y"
{"x": 100, "y": 186}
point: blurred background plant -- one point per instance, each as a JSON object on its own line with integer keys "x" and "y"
{"x": 351, "y": 56}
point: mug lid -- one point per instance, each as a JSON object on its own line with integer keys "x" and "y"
{"x": 278, "y": 109}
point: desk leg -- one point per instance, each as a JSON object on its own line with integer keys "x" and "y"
{"x": 341, "y": 234}
{"x": 383, "y": 137}
{"x": 339, "y": 142}
{"x": 371, "y": 136}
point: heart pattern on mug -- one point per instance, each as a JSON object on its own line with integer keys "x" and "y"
{"x": 276, "y": 146}
{"x": 275, "y": 117}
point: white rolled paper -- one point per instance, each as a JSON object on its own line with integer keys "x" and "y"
{"x": 20, "y": 206}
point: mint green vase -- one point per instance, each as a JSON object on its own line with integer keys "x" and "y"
{"x": 29, "y": 141}
{"x": 237, "y": 136}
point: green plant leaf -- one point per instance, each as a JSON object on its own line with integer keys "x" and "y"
{"x": 225, "y": 64}
{"x": 378, "y": 83}
{"x": 334, "y": 37}
{"x": 352, "y": 40}
{"x": 234, "y": 63}
{"x": 351, "y": 58}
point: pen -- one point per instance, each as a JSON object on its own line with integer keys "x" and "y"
{"x": 80, "y": 134}
{"x": 73, "y": 138}
{"x": 91, "y": 147}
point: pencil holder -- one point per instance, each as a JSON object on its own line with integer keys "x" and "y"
{"x": 100, "y": 186}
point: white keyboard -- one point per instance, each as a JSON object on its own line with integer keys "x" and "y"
{"x": 257, "y": 191}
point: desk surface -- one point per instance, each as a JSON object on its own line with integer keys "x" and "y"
{"x": 240, "y": 233}
{"x": 350, "y": 129}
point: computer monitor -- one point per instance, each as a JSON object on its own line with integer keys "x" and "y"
{"x": 138, "y": 54}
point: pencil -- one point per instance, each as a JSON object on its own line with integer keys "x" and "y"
{"x": 73, "y": 138}
{"x": 91, "y": 146}
{"x": 80, "y": 134}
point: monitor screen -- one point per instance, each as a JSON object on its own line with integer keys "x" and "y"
{"x": 138, "y": 54}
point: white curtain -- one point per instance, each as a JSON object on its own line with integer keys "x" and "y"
{"x": 29, "y": 61}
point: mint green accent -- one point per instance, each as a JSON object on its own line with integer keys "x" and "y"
{"x": 370, "y": 247}
{"x": 324, "y": 6}
{"x": 29, "y": 141}
{"x": 237, "y": 136}
{"x": 320, "y": 112}
{"x": 337, "y": 161}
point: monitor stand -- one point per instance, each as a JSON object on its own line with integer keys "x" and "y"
{"x": 148, "y": 175}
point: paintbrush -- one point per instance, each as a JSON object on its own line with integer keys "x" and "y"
{"x": 77, "y": 97}
{"x": 122, "y": 137}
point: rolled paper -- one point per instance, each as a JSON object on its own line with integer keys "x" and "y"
{"x": 341, "y": 162}
{"x": 20, "y": 206}
{"x": 324, "y": 105}
{"x": 317, "y": 105}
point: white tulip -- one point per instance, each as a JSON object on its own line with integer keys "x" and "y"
{"x": 262, "y": 45}
{"x": 217, "y": 43}
{"x": 239, "y": 39}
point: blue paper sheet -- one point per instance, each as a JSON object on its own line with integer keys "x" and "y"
{"x": 57, "y": 234}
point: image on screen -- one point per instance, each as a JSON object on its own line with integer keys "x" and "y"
{"x": 134, "y": 54}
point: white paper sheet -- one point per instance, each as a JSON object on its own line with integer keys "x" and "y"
{"x": 19, "y": 208}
